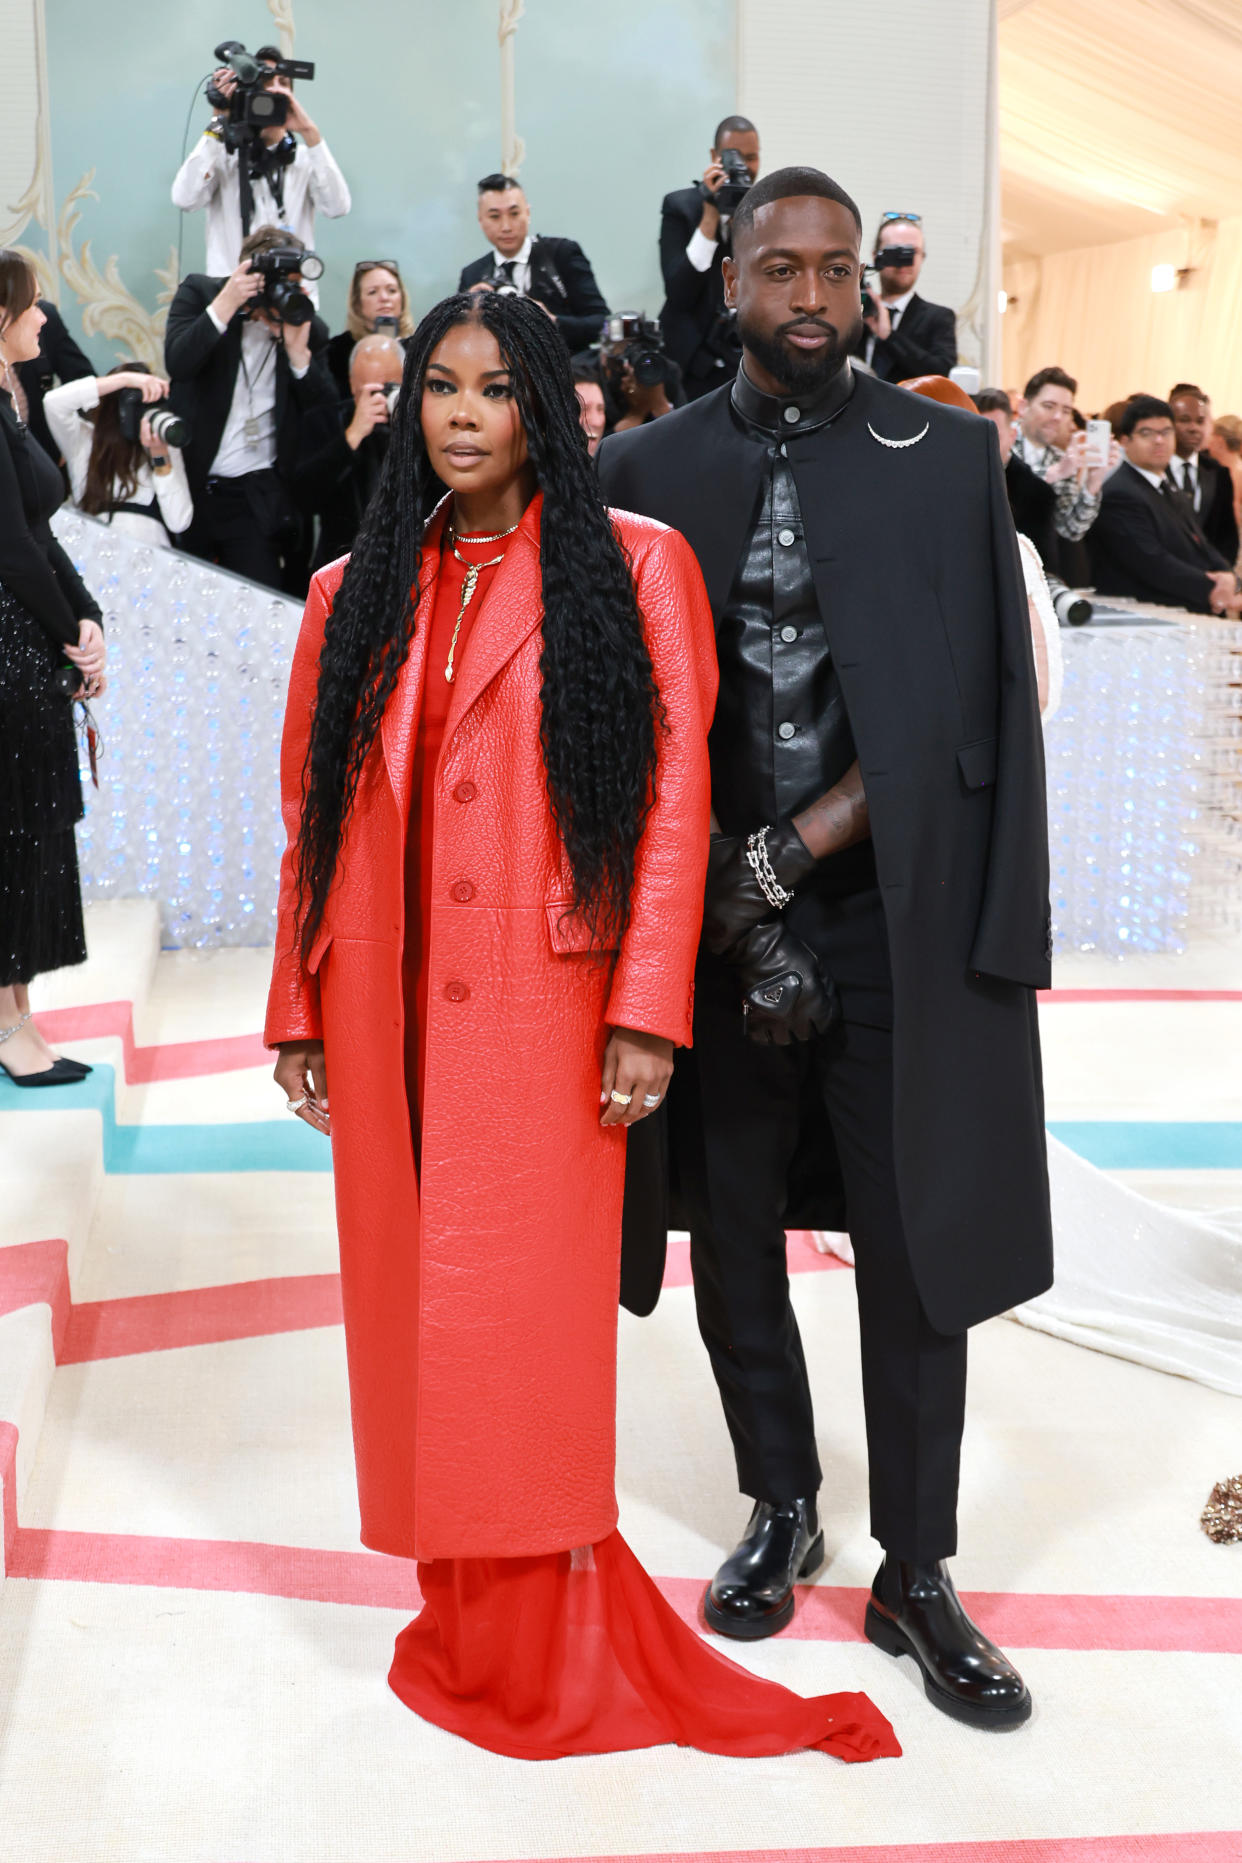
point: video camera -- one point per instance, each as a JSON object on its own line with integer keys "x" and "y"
{"x": 629, "y": 337}
{"x": 888, "y": 258}
{"x": 251, "y": 107}
{"x": 166, "y": 426}
{"x": 279, "y": 268}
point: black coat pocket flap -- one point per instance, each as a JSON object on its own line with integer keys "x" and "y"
{"x": 977, "y": 763}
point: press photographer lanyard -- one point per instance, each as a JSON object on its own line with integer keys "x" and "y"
{"x": 252, "y": 428}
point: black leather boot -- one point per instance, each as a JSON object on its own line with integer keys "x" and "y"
{"x": 914, "y": 1611}
{"x": 752, "y": 1595}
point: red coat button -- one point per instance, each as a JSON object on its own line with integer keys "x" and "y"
{"x": 462, "y": 891}
{"x": 465, "y": 792}
{"x": 457, "y": 992}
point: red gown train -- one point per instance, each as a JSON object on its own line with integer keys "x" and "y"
{"x": 565, "y": 1652}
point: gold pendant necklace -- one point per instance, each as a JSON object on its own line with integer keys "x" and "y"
{"x": 471, "y": 583}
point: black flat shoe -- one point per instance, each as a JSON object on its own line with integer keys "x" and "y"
{"x": 62, "y": 1073}
{"x": 914, "y": 1611}
{"x": 752, "y": 1595}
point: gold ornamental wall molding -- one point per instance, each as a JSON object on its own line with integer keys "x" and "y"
{"x": 512, "y": 148}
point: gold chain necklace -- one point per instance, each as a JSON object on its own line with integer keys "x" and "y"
{"x": 472, "y": 581}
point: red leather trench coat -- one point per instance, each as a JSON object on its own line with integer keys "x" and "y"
{"x": 481, "y": 1302}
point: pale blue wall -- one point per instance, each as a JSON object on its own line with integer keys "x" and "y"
{"x": 616, "y": 103}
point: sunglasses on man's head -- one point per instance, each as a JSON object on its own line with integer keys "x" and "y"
{"x": 915, "y": 219}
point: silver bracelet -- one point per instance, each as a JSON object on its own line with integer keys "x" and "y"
{"x": 777, "y": 896}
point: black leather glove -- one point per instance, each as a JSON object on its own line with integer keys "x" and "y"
{"x": 734, "y": 899}
{"x": 784, "y": 997}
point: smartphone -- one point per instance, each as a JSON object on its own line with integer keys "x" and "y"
{"x": 1099, "y": 441}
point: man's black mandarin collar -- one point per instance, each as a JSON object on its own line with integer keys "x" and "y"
{"x": 785, "y": 415}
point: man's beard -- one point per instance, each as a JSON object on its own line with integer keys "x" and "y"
{"x": 800, "y": 372}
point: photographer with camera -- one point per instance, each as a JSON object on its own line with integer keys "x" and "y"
{"x": 244, "y": 357}
{"x": 694, "y": 234}
{"x": 378, "y": 304}
{"x": 556, "y": 273}
{"x": 249, "y": 165}
{"x": 344, "y": 445}
{"x": 904, "y": 335}
{"x": 121, "y": 444}
{"x": 640, "y": 375}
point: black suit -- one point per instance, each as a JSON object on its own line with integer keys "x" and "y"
{"x": 334, "y": 480}
{"x": 1149, "y": 545}
{"x": 699, "y": 333}
{"x": 59, "y": 360}
{"x": 1033, "y": 503}
{"x": 248, "y": 525}
{"x": 1215, "y": 513}
{"x": 562, "y": 280}
{"x": 933, "y": 1104}
{"x": 924, "y": 343}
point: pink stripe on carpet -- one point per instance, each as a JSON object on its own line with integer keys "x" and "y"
{"x": 1153, "y": 1847}
{"x": 184, "y": 1060}
{"x": 200, "y": 1316}
{"x": 37, "y": 1272}
{"x": 826, "y": 1614}
{"x": 8, "y": 1493}
{"x": 1140, "y": 996}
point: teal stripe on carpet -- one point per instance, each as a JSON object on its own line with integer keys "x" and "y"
{"x": 288, "y": 1144}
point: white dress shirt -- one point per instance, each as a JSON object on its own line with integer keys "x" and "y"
{"x": 248, "y": 443}
{"x": 1153, "y": 478}
{"x": 895, "y": 308}
{"x": 170, "y": 490}
{"x": 1185, "y": 473}
{"x": 521, "y": 267}
{"x": 702, "y": 250}
{"x": 208, "y": 178}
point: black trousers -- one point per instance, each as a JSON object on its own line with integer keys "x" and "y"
{"x": 250, "y": 525}
{"x": 744, "y": 1105}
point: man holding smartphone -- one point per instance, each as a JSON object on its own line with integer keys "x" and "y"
{"x": 1050, "y": 446}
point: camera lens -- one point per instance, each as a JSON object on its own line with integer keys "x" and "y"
{"x": 311, "y": 266}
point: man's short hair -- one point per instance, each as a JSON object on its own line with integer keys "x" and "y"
{"x": 499, "y": 184}
{"x": 787, "y": 184}
{"x": 1142, "y": 407}
{"x": 1048, "y": 378}
{"x": 1186, "y": 388}
{"x": 990, "y": 400}
{"x": 733, "y": 126}
{"x": 587, "y": 372}
{"x": 267, "y": 239}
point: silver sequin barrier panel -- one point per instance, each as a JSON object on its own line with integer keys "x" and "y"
{"x": 188, "y": 806}
{"x": 1144, "y": 759}
{"x": 1145, "y": 782}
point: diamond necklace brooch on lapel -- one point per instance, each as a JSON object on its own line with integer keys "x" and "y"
{"x": 471, "y": 583}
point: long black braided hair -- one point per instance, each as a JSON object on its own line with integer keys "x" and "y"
{"x": 600, "y": 707}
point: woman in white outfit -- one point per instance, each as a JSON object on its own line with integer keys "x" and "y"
{"x": 138, "y": 486}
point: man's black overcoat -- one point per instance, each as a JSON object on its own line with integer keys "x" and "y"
{"x": 920, "y": 587}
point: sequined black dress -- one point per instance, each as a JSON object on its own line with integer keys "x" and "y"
{"x": 42, "y": 600}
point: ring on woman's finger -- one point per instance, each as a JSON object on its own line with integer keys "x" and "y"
{"x": 620, "y": 1099}
{"x": 650, "y": 1100}
{"x": 295, "y": 1106}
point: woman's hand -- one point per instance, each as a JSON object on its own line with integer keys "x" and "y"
{"x": 301, "y": 1075}
{"x": 636, "y": 1064}
{"x": 90, "y": 654}
{"x": 151, "y": 387}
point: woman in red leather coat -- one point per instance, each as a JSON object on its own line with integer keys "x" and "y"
{"x": 495, "y": 788}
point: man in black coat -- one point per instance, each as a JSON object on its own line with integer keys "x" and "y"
{"x": 555, "y": 272}
{"x": 59, "y": 360}
{"x": 344, "y": 445}
{"x": 878, "y": 891}
{"x": 700, "y": 334}
{"x": 1032, "y": 501}
{"x": 1199, "y": 477}
{"x": 1147, "y": 541}
{"x": 242, "y": 378}
{"x": 903, "y": 335}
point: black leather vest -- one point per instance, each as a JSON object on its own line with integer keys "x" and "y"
{"x": 781, "y": 734}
